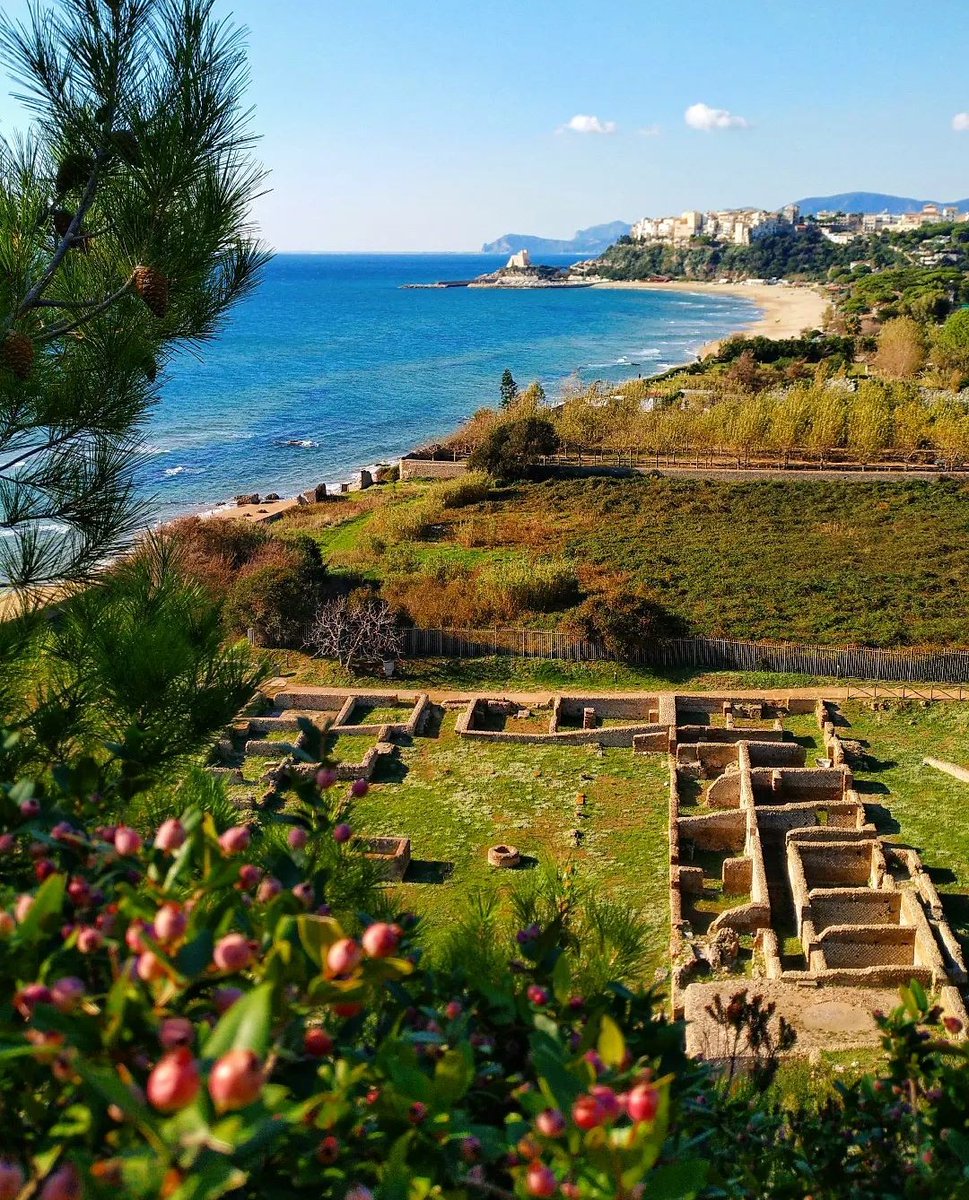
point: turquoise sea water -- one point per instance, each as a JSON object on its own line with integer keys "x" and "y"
{"x": 330, "y": 366}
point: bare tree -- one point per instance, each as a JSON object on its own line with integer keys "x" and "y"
{"x": 354, "y": 630}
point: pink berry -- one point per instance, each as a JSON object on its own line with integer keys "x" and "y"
{"x": 236, "y": 1080}
{"x": 176, "y": 1031}
{"x": 22, "y": 907}
{"x": 381, "y": 940}
{"x": 550, "y": 1123}
{"x": 235, "y": 840}
{"x": 249, "y": 876}
{"x": 297, "y": 838}
{"x": 269, "y": 888}
{"x": 7, "y": 923}
{"x": 150, "y": 967}
{"x": 540, "y": 1180}
{"x": 608, "y": 1101}
{"x": 170, "y": 923}
{"x": 952, "y": 1024}
{"x": 326, "y": 778}
{"x": 328, "y": 1150}
{"x": 587, "y": 1112}
{"x": 30, "y": 807}
{"x": 359, "y": 788}
{"x": 453, "y": 1009}
{"x": 342, "y": 832}
{"x": 343, "y": 957}
{"x": 224, "y": 998}
{"x": 64, "y": 1184}
{"x": 27, "y": 999}
{"x": 126, "y": 841}
{"x": 89, "y": 939}
{"x": 538, "y": 995}
{"x": 471, "y": 1149}
{"x": 232, "y": 952}
{"x": 11, "y": 1179}
{"x": 170, "y": 835}
{"x": 358, "y": 1192}
{"x": 642, "y": 1102}
{"x": 175, "y": 1081}
{"x": 7, "y": 843}
{"x": 417, "y": 1113}
{"x": 134, "y": 938}
{"x": 304, "y": 894}
{"x": 67, "y": 993}
{"x": 317, "y": 1042}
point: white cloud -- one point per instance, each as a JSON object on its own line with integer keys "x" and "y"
{"x": 702, "y": 116}
{"x": 586, "y": 124}
{"x": 650, "y": 131}
{"x": 960, "y": 122}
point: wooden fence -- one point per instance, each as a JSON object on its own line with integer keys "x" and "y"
{"x": 715, "y": 654}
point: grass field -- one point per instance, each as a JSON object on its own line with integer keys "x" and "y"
{"x": 455, "y": 798}
{"x": 793, "y": 560}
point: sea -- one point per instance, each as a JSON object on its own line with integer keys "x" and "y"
{"x": 333, "y": 365}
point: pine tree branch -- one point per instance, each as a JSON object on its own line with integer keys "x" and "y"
{"x": 67, "y": 241}
{"x": 99, "y": 307}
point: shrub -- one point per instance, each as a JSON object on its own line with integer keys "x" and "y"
{"x": 211, "y": 1022}
{"x": 622, "y": 621}
{"x": 277, "y": 592}
{"x": 410, "y": 522}
{"x": 530, "y": 585}
{"x": 511, "y": 449}
{"x": 459, "y": 493}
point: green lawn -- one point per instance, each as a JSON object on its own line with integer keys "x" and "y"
{"x": 915, "y": 804}
{"x": 455, "y": 798}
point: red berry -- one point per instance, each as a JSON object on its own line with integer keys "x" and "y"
{"x": 317, "y": 1042}
{"x": 417, "y": 1114}
{"x": 170, "y": 835}
{"x": 7, "y": 923}
{"x": 30, "y": 808}
{"x": 249, "y": 876}
{"x": 328, "y": 1150}
{"x": 11, "y": 1179}
{"x": 64, "y": 1184}
{"x": 587, "y": 1112}
{"x": 381, "y": 940}
{"x": 326, "y": 778}
{"x": 540, "y": 1180}
{"x": 538, "y": 995}
{"x": 642, "y": 1102}
{"x": 269, "y": 888}
{"x": 347, "y": 1009}
{"x": 175, "y": 1082}
{"x": 359, "y": 788}
{"x": 343, "y": 957}
{"x": 550, "y": 1123}
{"x": 342, "y": 832}
{"x": 126, "y": 841}
{"x": 232, "y": 952}
{"x": 236, "y": 1080}
{"x": 297, "y": 838}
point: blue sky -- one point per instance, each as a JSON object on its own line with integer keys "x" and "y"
{"x": 438, "y": 124}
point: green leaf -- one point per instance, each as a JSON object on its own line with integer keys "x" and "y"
{"x": 678, "y": 1181}
{"x": 318, "y": 934}
{"x": 213, "y": 1179}
{"x": 110, "y": 1088}
{"x": 48, "y": 902}
{"x": 196, "y": 955}
{"x": 453, "y": 1075}
{"x": 246, "y": 1026}
{"x": 562, "y": 979}
{"x": 611, "y": 1044}
{"x": 919, "y": 996}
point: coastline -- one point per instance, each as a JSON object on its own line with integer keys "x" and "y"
{"x": 786, "y": 309}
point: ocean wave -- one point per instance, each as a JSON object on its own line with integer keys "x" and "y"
{"x": 175, "y": 470}
{"x": 300, "y": 443}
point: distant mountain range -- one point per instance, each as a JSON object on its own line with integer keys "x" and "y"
{"x": 870, "y": 202}
{"x": 593, "y": 240}
{"x": 598, "y": 238}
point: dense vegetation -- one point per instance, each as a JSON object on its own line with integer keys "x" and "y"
{"x": 804, "y": 560}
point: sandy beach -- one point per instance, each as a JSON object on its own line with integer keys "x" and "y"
{"x": 785, "y": 309}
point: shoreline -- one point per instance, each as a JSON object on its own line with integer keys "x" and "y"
{"x": 784, "y": 311}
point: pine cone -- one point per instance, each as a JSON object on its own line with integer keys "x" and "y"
{"x": 73, "y": 171}
{"x": 62, "y": 221}
{"x": 152, "y": 287}
{"x": 126, "y": 147}
{"x": 17, "y": 354}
